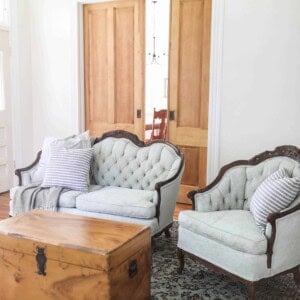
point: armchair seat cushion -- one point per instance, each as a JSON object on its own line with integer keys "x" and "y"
{"x": 233, "y": 228}
{"x": 120, "y": 201}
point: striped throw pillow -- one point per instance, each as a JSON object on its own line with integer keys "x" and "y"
{"x": 275, "y": 193}
{"x": 68, "y": 168}
{"x": 79, "y": 141}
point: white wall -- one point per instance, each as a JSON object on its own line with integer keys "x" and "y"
{"x": 260, "y": 101}
{"x": 51, "y": 58}
{"x": 21, "y": 83}
{"x": 261, "y": 77}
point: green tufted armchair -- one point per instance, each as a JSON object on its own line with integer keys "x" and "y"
{"x": 220, "y": 230}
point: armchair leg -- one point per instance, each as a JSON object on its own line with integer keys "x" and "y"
{"x": 167, "y": 232}
{"x": 181, "y": 260}
{"x": 297, "y": 275}
{"x": 251, "y": 290}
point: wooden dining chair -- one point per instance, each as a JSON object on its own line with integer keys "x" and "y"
{"x": 159, "y": 125}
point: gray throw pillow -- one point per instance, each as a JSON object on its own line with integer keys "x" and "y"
{"x": 68, "y": 168}
{"x": 274, "y": 194}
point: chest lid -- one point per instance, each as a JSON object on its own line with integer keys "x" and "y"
{"x": 79, "y": 240}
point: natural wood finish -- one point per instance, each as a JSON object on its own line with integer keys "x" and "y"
{"x": 159, "y": 133}
{"x": 114, "y": 66}
{"x": 92, "y": 263}
{"x": 180, "y": 207}
{"x": 191, "y": 174}
{"x": 124, "y": 60}
{"x": 183, "y": 191}
{"x": 190, "y": 63}
{"x": 4, "y": 205}
{"x": 189, "y": 86}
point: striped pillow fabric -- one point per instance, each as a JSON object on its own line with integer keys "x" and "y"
{"x": 275, "y": 193}
{"x": 68, "y": 168}
{"x": 79, "y": 141}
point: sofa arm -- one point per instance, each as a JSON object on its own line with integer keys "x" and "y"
{"x": 167, "y": 196}
{"x": 25, "y": 174}
{"x": 227, "y": 191}
{"x": 283, "y": 251}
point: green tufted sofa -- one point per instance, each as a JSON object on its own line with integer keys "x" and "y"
{"x": 220, "y": 230}
{"x": 130, "y": 181}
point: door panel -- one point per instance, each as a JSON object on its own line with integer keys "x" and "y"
{"x": 188, "y": 87}
{"x": 124, "y": 65}
{"x": 114, "y": 66}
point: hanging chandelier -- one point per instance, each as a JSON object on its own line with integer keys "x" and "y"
{"x": 154, "y": 55}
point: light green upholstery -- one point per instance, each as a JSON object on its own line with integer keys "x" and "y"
{"x": 235, "y": 229}
{"x": 119, "y": 162}
{"x": 130, "y": 182}
{"x": 221, "y": 229}
{"x": 239, "y": 183}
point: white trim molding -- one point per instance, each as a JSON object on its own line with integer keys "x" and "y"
{"x": 15, "y": 87}
{"x": 215, "y": 92}
{"x": 77, "y": 68}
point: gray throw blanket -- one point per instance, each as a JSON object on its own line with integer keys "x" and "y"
{"x": 32, "y": 196}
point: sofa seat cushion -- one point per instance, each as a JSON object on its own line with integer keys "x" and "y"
{"x": 68, "y": 198}
{"x": 120, "y": 201}
{"x": 233, "y": 228}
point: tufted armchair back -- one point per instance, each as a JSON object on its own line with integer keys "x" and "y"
{"x": 121, "y": 162}
{"x": 238, "y": 184}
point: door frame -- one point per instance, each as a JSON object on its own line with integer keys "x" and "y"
{"x": 215, "y": 78}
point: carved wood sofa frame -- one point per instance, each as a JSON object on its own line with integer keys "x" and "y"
{"x": 287, "y": 151}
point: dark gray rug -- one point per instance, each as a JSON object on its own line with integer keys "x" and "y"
{"x": 166, "y": 283}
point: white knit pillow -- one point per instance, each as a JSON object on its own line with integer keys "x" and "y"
{"x": 68, "y": 168}
{"x": 274, "y": 194}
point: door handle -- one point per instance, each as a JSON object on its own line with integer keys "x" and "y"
{"x": 171, "y": 115}
{"x": 138, "y": 113}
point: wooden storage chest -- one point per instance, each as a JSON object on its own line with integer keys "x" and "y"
{"x": 48, "y": 255}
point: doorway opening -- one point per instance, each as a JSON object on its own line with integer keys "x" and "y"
{"x": 157, "y": 67}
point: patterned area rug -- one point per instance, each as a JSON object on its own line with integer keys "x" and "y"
{"x": 166, "y": 283}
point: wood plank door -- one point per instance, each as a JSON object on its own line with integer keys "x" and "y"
{"x": 189, "y": 87}
{"x": 114, "y": 34}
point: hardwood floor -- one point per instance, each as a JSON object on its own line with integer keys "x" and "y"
{"x": 4, "y": 207}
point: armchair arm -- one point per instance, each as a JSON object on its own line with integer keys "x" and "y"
{"x": 24, "y": 174}
{"x": 167, "y": 196}
{"x": 283, "y": 249}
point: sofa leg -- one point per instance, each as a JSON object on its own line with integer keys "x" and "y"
{"x": 181, "y": 260}
{"x": 167, "y": 232}
{"x": 251, "y": 290}
{"x": 296, "y": 273}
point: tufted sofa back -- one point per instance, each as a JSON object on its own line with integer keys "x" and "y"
{"x": 239, "y": 183}
{"x": 120, "y": 162}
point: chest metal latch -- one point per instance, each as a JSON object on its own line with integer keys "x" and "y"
{"x": 41, "y": 261}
